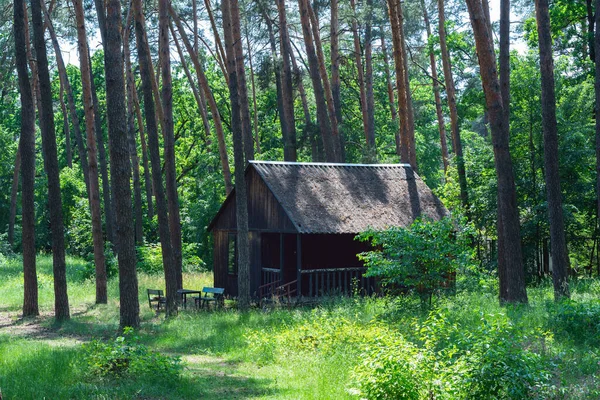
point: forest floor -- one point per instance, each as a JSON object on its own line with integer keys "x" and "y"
{"x": 466, "y": 346}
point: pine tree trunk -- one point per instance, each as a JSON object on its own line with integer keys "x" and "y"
{"x": 241, "y": 204}
{"x": 147, "y": 178}
{"x": 148, "y": 82}
{"x": 390, "y": 88}
{"x": 287, "y": 91}
{"x": 451, "y": 94}
{"x": 218, "y": 41}
{"x": 360, "y": 76}
{"x": 94, "y": 189}
{"x": 436, "y": 92}
{"x": 120, "y": 166}
{"x": 61, "y": 299}
{"x": 211, "y": 102}
{"x": 253, "y": 86}
{"x": 62, "y": 72}
{"x": 322, "y": 116}
{"x": 334, "y": 40}
{"x": 369, "y": 82}
{"x": 597, "y": 108}
{"x": 27, "y": 143}
{"x": 169, "y": 153}
{"x": 508, "y": 227}
{"x": 560, "y": 255}
{"x": 336, "y": 136}
{"x": 241, "y": 76}
{"x": 135, "y": 163}
{"x": 66, "y": 128}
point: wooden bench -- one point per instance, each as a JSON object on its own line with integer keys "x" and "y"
{"x": 211, "y": 295}
{"x": 156, "y": 299}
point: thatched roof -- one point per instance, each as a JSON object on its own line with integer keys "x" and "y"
{"x": 349, "y": 198}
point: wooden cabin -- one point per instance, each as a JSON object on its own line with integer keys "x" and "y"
{"x": 303, "y": 218}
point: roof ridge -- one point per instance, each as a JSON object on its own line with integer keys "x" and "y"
{"x": 326, "y": 164}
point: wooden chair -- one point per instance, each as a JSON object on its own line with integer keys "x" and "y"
{"x": 156, "y": 298}
{"x": 211, "y": 295}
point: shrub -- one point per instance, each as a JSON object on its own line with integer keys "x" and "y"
{"x": 391, "y": 368}
{"x": 422, "y": 257}
{"x": 580, "y": 322}
{"x": 150, "y": 258}
{"x": 124, "y": 357}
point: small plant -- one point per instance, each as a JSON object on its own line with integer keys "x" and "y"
{"x": 580, "y": 322}
{"x": 423, "y": 257}
{"x": 124, "y": 357}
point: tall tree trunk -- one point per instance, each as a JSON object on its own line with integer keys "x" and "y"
{"x": 27, "y": 144}
{"x": 94, "y": 189}
{"x": 436, "y": 92}
{"x": 121, "y": 166}
{"x": 169, "y": 150}
{"x": 253, "y": 86}
{"x": 369, "y": 82}
{"x": 509, "y": 227}
{"x": 241, "y": 76}
{"x": 451, "y": 95}
{"x": 135, "y": 163}
{"x": 241, "y": 205}
{"x": 400, "y": 82}
{"x": 590, "y": 29}
{"x": 296, "y": 72}
{"x": 164, "y": 233}
{"x": 597, "y": 108}
{"x": 218, "y": 41}
{"x": 61, "y": 299}
{"x": 14, "y": 191}
{"x": 147, "y": 179}
{"x": 390, "y": 89}
{"x": 560, "y": 255}
{"x": 287, "y": 91}
{"x": 360, "y": 75}
{"x": 64, "y": 78}
{"x": 337, "y": 141}
{"x": 66, "y": 128}
{"x": 334, "y": 40}
{"x": 211, "y": 102}
{"x": 322, "y": 116}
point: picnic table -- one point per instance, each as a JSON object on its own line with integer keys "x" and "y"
{"x": 184, "y": 293}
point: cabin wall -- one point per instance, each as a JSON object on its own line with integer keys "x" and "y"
{"x": 331, "y": 251}
{"x": 220, "y": 259}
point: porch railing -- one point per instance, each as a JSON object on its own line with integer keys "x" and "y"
{"x": 346, "y": 281}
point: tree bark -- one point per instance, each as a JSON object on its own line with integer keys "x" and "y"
{"x": 509, "y": 228}
{"x": 135, "y": 163}
{"x": 597, "y": 107}
{"x": 560, "y": 255}
{"x": 61, "y": 298}
{"x": 211, "y": 102}
{"x": 334, "y": 40}
{"x": 253, "y": 86}
{"x": 241, "y": 76}
{"x": 66, "y": 128}
{"x": 322, "y": 116}
{"x": 241, "y": 204}
{"x": 336, "y": 136}
{"x": 369, "y": 82}
{"x": 287, "y": 91}
{"x": 27, "y": 144}
{"x": 451, "y": 95}
{"x": 148, "y": 82}
{"x": 218, "y": 41}
{"x": 390, "y": 89}
{"x": 361, "y": 77}
{"x": 94, "y": 188}
{"x": 121, "y": 166}
{"x": 436, "y": 92}
{"x": 169, "y": 150}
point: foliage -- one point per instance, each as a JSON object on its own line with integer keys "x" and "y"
{"x": 422, "y": 257}
{"x": 149, "y": 258}
{"x": 125, "y": 357}
{"x": 579, "y": 322}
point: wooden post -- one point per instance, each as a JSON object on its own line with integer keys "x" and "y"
{"x": 299, "y": 263}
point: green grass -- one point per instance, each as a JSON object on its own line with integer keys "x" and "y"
{"x": 304, "y": 353}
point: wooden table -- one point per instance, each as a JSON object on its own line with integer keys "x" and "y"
{"x": 183, "y": 293}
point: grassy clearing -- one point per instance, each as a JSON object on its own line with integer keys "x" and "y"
{"x": 461, "y": 349}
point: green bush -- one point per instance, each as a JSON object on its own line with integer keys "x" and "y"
{"x": 580, "y": 322}
{"x": 124, "y": 357}
{"x": 149, "y": 258}
{"x": 391, "y": 368}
